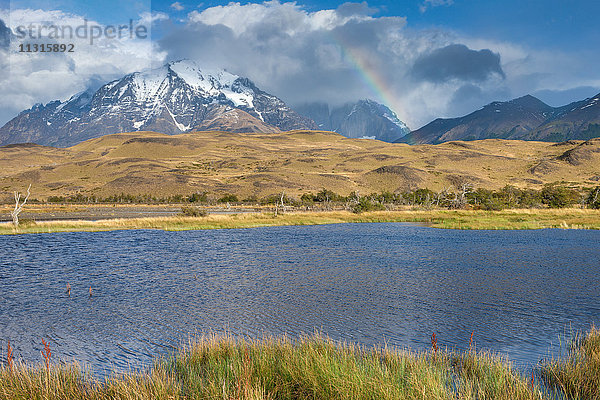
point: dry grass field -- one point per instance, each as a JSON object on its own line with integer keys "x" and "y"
{"x": 255, "y": 164}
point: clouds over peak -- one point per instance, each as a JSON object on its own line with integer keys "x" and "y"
{"x": 457, "y": 61}
{"x": 329, "y": 55}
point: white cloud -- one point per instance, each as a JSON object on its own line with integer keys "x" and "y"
{"x": 149, "y": 18}
{"x": 42, "y": 77}
{"x": 434, "y": 3}
{"x": 289, "y": 18}
{"x": 177, "y": 6}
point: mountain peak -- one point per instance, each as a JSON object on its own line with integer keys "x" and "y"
{"x": 528, "y": 101}
{"x": 174, "y": 98}
{"x": 189, "y": 71}
{"x": 363, "y": 119}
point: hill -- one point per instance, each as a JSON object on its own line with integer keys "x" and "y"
{"x": 257, "y": 164}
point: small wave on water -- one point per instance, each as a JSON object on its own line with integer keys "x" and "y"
{"x": 368, "y": 283}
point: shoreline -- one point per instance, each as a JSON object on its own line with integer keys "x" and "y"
{"x": 440, "y": 218}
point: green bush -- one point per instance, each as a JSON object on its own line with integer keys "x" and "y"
{"x": 198, "y": 198}
{"x": 593, "y": 200}
{"x": 365, "y": 204}
{"x": 327, "y": 195}
{"x": 190, "y": 211}
{"x": 228, "y": 198}
{"x": 556, "y": 196}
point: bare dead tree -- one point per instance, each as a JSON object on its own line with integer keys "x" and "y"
{"x": 465, "y": 189}
{"x": 460, "y": 196}
{"x": 591, "y": 199}
{"x": 277, "y": 202}
{"x": 19, "y": 206}
{"x": 441, "y": 195}
{"x": 282, "y": 203}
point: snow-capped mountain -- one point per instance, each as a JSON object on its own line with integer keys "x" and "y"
{"x": 363, "y": 119}
{"x": 178, "y": 97}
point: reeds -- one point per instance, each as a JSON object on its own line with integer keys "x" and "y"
{"x": 578, "y": 374}
{"x": 9, "y": 357}
{"x": 310, "y": 367}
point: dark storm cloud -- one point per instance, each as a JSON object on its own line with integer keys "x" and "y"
{"x": 5, "y": 35}
{"x": 457, "y": 61}
{"x": 300, "y": 66}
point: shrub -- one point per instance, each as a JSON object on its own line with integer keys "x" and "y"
{"x": 198, "y": 198}
{"x": 556, "y": 196}
{"x": 307, "y": 199}
{"x": 228, "y": 198}
{"x": 422, "y": 197}
{"x": 190, "y": 211}
{"x": 365, "y": 204}
{"x": 593, "y": 200}
{"x": 327, "y": 195}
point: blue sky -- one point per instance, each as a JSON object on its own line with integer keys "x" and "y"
{"x": 422, "y": 58}
{"x": 549, "y": 23}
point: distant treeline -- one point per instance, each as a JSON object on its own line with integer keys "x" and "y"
{"x": 550, "y": 196}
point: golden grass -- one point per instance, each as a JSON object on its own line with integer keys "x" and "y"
{"x": 312, "y": 367}
{"x": 578, "y": 376}
{"x": 256, "y": 164}
{"x": 448, "y": 219}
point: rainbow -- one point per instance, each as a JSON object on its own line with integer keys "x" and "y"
{"x": 371, "y": 77}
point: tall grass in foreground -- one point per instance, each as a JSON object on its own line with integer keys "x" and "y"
{"x": 318, "y": 368}
{"x": 578, "y": 375}
{"x": 315, "y": 367}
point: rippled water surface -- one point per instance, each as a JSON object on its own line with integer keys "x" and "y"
{"x": 370, "y": 283}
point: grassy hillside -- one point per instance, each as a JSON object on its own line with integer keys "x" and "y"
{"x": 255, "y": 164}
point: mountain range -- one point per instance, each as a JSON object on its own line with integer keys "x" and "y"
{"x": 525, "y": 118}
{"x": 181, "y": 97}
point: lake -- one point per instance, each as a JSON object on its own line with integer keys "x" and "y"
{"x": 368, "y": 283}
